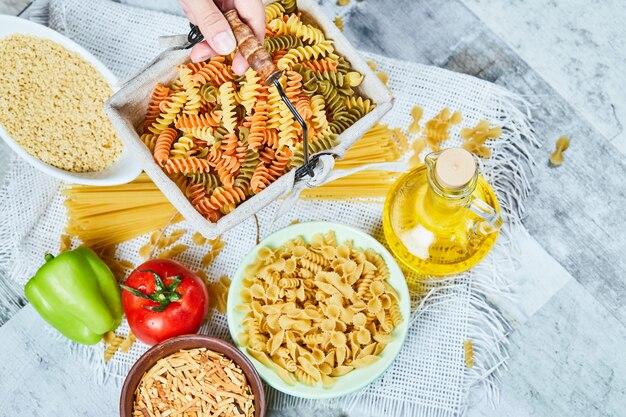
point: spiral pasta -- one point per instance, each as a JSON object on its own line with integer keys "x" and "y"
{"x": 227, "y": 99}
{"x": 246, "y": 171}
{"x": 273, "y": 11}
{"x": 282, "y": 42}
{"x": 160, "y": 93}
{"x": 223, "y": 138}
{"x": 208, "y": 92}
{"x": 321, "y": 65}
{"x": 222, "y": 196}
{"x": 289, "y": 5}
{"x": 214, "y": 70}
{"x": 345, "y": 119}
{"x": 321, "y": 143}
{"x": 249, "y": 90}
{"x": 184, "y": 147}
{"x": 191, "y": 121}
{"x": 169, "y": 114}
{"x": 305, "y": 53}
{"x": 193, "y": 103}
{"x": 258, "y": 124}
{"x": 335, "y": 101}
{"x": 186, "y": 166}
{"x": 207, "y": 179}
{"x": 163, "y": 145}
{"x": 318, "y": 110}
{"x": 149, "y": 139}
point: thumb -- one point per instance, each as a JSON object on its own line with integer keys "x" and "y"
{"x": 213, "y": 25}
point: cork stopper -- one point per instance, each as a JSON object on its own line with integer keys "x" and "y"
{"x": 455, "y": 168}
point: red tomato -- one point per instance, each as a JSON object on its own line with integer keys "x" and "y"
{"x": 163, "y": 299}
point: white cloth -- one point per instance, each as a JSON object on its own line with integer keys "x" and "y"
{"x": 429, "y": 376}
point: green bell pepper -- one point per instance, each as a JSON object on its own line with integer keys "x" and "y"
{"x": 77, "y": 294}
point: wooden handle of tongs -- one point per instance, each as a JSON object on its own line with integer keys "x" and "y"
{"x": 252, "y": 49}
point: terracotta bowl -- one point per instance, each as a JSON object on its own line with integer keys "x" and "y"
{"x": 190, "y": 341}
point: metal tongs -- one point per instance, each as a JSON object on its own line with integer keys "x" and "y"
{"x": 261, "y": 61}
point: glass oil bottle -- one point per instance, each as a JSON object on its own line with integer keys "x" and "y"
{"x": 442, "y": 217}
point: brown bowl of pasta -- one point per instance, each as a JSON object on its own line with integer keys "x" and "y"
{"x": 193, "y": 373}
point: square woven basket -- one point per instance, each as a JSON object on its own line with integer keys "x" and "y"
{"x": 127, "y": 108}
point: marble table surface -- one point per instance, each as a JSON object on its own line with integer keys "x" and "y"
{"x": 567, "y": 350}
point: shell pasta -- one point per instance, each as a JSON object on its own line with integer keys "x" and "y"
{"x": 316, "y": 311}
{"x": 223, "y": 138}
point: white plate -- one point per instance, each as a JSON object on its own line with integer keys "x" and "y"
{"x": 358, "y": 378}
{"x": 125, "y": 169}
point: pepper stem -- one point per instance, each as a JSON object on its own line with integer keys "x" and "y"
{"x": 48, "y": 257}
{"x": 163, "y": 294}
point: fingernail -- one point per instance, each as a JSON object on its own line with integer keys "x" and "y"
{"x": 224, "y": 43}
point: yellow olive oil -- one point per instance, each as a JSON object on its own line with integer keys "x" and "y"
{"x": 432, "y": 230}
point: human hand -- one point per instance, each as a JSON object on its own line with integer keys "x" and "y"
{"x": 218, "y": 37}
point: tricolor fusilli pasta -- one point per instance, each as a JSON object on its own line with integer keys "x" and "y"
{"x": 223, "y": 138}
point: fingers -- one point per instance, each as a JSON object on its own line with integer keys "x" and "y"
{"x": 240, "y": 65}
{"x": 253, "y": 13}
{"x": 216, "y": 30}
{"x": 201, "y": 52}
{"x": 212, "y": 24}
{"x": 185, "y": 8}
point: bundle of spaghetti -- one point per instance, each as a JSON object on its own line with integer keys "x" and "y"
{"x": 101, "y": 216}
{"x": 380, "y": 144}
{"x": 363, "y": 186}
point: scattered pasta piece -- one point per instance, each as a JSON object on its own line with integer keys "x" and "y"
{"x": 127, "y": 343}
{"x": 418, "y": 146}
{"x": 416, "y": 113}
{"x": 562, "y": 144}
{"x": 173, "y": 251}
{"x": 198, "y": 239}
{"x": 119, "y": 268}
{"x": 468, "y": 347}
{"x": 217, "y": 245}
{"x": 294, "y": 221}
{"x": 474, "y": 138}
{"x": 482, "y": 151}
{"x": 109, "y": 352}
{"x": 168, "y": 240}
{"x": 218, "y": 293}
{"x": 317, "y": 310}
{"x": 204, "y": 277}
{"x": 383, "y": 77}
{"x": 343, "y": 2}
{"x": 437, "y": 129}
{"x": 108, "y": 338}
{"x": 66, "y": 243}
{"x": 339, "y": 22}
{"x": 146, "y": 250}
{"x": 372, "y": 65}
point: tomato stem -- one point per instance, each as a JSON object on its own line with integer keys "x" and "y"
{"x": 164, "y": 295}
